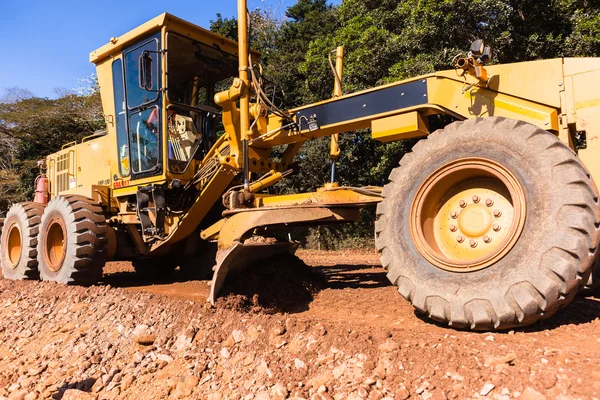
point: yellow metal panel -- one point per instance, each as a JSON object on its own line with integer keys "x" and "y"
{"x": 92, "y": 163}
{"x": 337, "y": 197}
{"x": 172, "y": 23}
{"x": 536, "y": 81}
{"x": 575, "y": 66}
{"x": 117, "y": 44}
{"x": 583, "y": 109}
{"x": 588, "y": 120}
{"x": 481, "y": 102}
{"x": 398, "y": 127}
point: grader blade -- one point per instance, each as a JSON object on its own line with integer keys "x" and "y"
{"x": 239, "y": 256}
{"x": 236, "y": 252}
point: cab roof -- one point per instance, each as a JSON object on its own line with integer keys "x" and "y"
{"x": 173, "y": 23}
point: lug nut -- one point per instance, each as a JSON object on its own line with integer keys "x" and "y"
{"x": 487, "y": 239}
{"x": 473, "y": 243}
{"x": 475, "y": 199}
{"x": 462, "y": 204}
{"x": 489, "y": 202}
{"x": 497, "y": 213}
{"x": 460, "y": 239}
{"x": 453, "y": 228}
{"x": 453, "y": 214}
{"x": 496, "y": 227}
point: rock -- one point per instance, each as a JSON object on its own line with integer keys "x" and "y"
{"x": 339, "y": 371}
{"x": 117, "y": 378}
{"x": 237, "y": 335}
{"x": 143, "y": 335}
{"x": 181, "y": 392}
{"x": 362, "y": 392}
{"x": 26, "y": 333}
{"x": 320, "y": 396}
{"x": 164, "y": 357}
{"x": 507, "y": 359}
{"x": 319, "y": 380}
{"x": 31, "y": 396}
{"x": 14, "y": 387}
{"x": 486, "y": 389}
{"x": 375, "y": 395}
{"x": 74, "y": 394}
{"x": 215, "y": 396}
{"x": 225, "y": 353}
{"x": 18, "y": 394}
{"x": 531, "y": 394}
{"x": 262, "y": 395}
{"x": 438, "y": 394}
{"x": 97, "y": 386}
{"x": 490, "y": 338}
{"x": 388, "y": 346}
{"x": 277, "y": 330}
{"x": 320, "y": 329}
{"x": 68, "y": 327}
{"x": 229, "y": 342}
{"x": 402, "y": 393}
{"x": 145, "y": 339}
{"x": 548, "y": 379}
{"x": 279, "y": 342}
{"x": 191, "y": 381}
{"x": 299, "y": 364}
{"x": 184, "y": 339}
{"x": 127, "y": 381}
{"x": 253, "y": 333}
{"x": 279, "y": 392}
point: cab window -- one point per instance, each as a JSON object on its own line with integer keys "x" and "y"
{"x": 144, "y": 139}
{"x": 136, "y": 95}
{"x": 121, "y": 117}
{"x": 144, "y": 109}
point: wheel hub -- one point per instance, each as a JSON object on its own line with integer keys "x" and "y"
{"x": 55, "y": 248}
{"x": 475, "y": 220}
{"x": 468, "y": 215}
{"x": 14, "y": 246}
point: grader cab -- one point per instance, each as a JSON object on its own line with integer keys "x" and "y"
{"x": 490, "y": 223}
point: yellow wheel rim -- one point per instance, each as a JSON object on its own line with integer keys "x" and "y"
{"x": 14, "y": 246}
{"x": 55, "y": 244}
{"x": 468, "y": 215}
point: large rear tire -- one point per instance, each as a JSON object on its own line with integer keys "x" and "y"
{"x": 72, "y": 241}
{"x": 18, "y": 242}
{"x": 518, "y": 244}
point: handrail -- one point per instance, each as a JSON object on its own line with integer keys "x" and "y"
{"x": 73, "y": 143}
{"x": 95, "y": 135}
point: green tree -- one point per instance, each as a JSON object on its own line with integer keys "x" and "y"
{"x": 36, "y": 127}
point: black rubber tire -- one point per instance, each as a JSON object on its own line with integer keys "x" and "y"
{"x": 553, "y": 256}
{"x": 27, "y": 216}
{"x": 592, "y": 287}
{"x": 85, "y": 253}
{"x": 154, "y": 269}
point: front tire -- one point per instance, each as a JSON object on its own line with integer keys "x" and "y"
{"x": 551, "y": 218}
{"x": 72, "y": 241}
{"x": 18, "y": 242}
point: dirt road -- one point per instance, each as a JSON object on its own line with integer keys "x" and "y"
{"x": 334, "y": 330}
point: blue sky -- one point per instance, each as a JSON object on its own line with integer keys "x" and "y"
{"x": 46, "y": 43}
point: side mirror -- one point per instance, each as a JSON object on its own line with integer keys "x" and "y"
{"x": 488, "y": 54}
{"x": 477, "y": 47}
{"x": 145, "y": 68}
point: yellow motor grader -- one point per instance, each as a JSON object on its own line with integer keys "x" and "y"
{"x": 489, "y": 223}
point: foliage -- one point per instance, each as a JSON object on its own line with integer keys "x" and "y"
{"x": 33, "y": 127}
{"x": 385, "y": 40}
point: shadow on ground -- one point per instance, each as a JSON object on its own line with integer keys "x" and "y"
{"x": 285, "y": 284}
